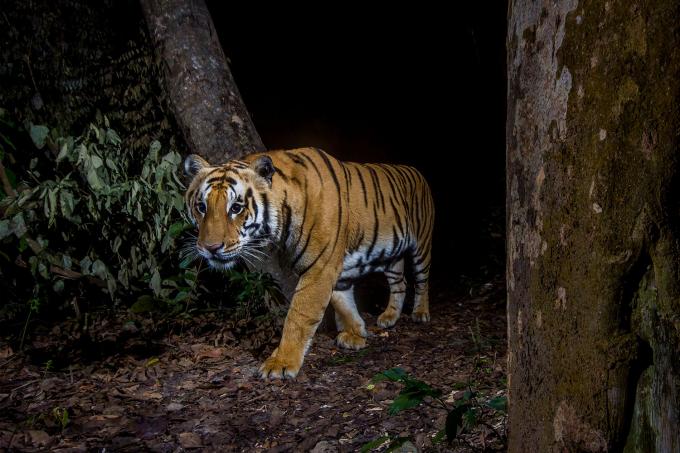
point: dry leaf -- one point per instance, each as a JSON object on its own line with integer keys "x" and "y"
{"x": 190, "y": 440}
{"x": 39, "y": 438}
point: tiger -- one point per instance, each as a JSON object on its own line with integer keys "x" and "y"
{"x": 334, "y": 221}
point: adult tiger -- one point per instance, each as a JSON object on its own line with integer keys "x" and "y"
{"x": 335, "y": 220}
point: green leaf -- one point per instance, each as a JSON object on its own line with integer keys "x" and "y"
{"x": 12, "y": 177}
{"x": 58, "y": 286}
{"x": 439, "y": 436}
{"x": 85, "y": 265}
{"x": 52, "y": 197}
{"x": 97, "y": 161}
{"x": 404, "y": 401}
{"x": 39, "y": 135}
{"x": 8, "y": 142}
{"x": 500, "y": 403}
{"x": 117, "y": 242}
{"x": 5, "y": 229}
{"x": 66, "y": 202}
{"x": 177, "y": 228}
{"x": 181, "y": 296}
{"x": 18, "y": 225}
{"x": 155, "y": 282}
{"x": 186, "y": 262}
{"x": 374, "y": 444}
{"x": 63, "y": 152}
{"x": 393, "y": 374}
{"x": 144, "y": 304}
{"x": 93, "y": 179}
{"x": 99, "y": 269}
{"x": 154, "y": 148}
{"x": 470, "y": 418}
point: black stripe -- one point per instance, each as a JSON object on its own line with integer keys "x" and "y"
{"x": 376, "y": 187}
{"x": 375, "y": 235}
{"x": 265, "y": 213}
{"x": 295, "y": 159}
{"x": 304, "y": 247}
{"x": 287, "y": 214}
{"x": 309, "y": 266}
{"x": 337, "y": 186}
{"x": 316, "y": 169}
{"x": 363, "y": 185}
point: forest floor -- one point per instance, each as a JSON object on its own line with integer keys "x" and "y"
{"x": 193, "y": 389}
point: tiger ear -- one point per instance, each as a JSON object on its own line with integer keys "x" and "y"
{"x": 193, "y": 164}
{"x": 264, "y": 167}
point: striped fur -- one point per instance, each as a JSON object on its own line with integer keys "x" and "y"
{"x": 335, "y": 221}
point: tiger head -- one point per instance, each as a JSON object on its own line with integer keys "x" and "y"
{"x": 231, "y": 206}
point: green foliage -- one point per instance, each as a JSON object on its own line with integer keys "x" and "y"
{"x": 255, "y": 292}
{"x": 94, "y": 210}
{"x": 464, "y": 415}
{"x": 413, "y": 393}
{"x": 89, "y": 219}
{"x": 61, "y": 417}
{"x": 394, "y": 443}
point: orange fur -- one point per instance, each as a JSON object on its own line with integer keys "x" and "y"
{"x": 335, "y": 220}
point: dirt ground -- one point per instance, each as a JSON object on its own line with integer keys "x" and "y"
{"x": 195, "y": 389}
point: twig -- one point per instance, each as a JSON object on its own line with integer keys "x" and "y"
{"x": 66, "y": 273}
{"x": 24, "y": 385}
{"x": 23, "y": 334}
{"x": 6, "y": 362}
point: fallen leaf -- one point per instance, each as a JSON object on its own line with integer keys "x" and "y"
{"x": 39, "y": 438}
{"x": 152, "y": 396}
{"x": 190, "y": 440}
{"x": 6, "y": 352}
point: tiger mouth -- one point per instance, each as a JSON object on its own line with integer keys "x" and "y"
{"x": 225, "y": 257}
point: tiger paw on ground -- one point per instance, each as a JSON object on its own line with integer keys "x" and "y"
{"x": 421, "y": 316}
{"x": 349, "y": 340}
{"x": 387, "y": 319}
{"x": 279, "y": 368}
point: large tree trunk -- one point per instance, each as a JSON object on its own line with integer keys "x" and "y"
{"x": 206, "y": 101}
{"x": 593, "y": 225}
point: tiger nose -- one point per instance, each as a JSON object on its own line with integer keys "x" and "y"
{"x": 213, "y": 248}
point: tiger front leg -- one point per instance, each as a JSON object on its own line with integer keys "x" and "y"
{"x": 311, "y": 298}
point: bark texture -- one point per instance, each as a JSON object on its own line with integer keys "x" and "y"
{"x": 206, "y": 101}
{"x": 593, "y": 225}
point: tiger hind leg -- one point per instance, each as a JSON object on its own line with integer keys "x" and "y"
{"x": 421, "y": 301}
{"x": 395, "y": 278}
{"x": 350, "y": 324}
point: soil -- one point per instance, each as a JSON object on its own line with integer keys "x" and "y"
{"x": 197, "y": 388}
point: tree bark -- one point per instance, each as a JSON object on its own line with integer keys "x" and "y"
{"x": 593, "y": 227}
{"x": 205, "y": 99}
{"x": 206, "y": 102}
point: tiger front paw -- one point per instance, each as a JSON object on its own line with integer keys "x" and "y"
{"x": 388, "y": 318}
{"x": 276, "y": 367}
{"x": 421, "y": 316}
{"x": 350, "y": 340}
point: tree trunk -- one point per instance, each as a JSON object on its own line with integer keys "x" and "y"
{"x": 206, "y": 102}
{"x": 593, "y": 225}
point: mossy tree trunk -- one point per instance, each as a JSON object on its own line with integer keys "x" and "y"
{"x": 593, "y": 225}
{"x": 206, "y": 102}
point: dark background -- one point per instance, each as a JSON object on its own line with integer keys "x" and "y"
{"x": 421, "y": 86}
